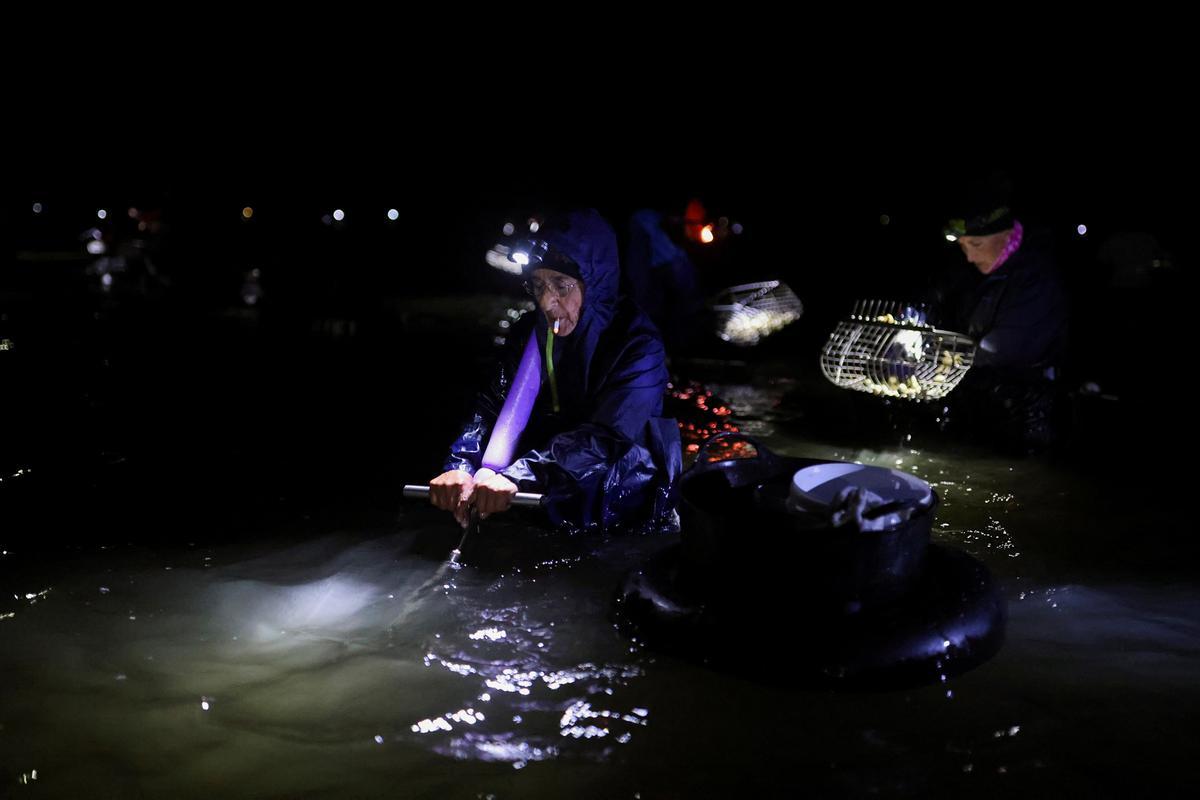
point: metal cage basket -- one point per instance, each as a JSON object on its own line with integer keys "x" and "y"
{"x": 748, "y": 313}
{"x": 888, "y": 349}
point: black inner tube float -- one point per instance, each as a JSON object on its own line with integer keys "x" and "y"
{"x": 847, "y": 607}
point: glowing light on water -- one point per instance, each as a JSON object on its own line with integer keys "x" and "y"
{"x": 432, "y": 725}
{"x": 466, "y": 716}
{"x": 35, "y": 597}
{"x": 328, "y": 604}
{"x": 491, "y": 634}
{"x": 557, "y": 679}
{"x": 585, "y": 732}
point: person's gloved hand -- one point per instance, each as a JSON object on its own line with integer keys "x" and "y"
{"x": 492, "y": 493}
{"x": 451, "y": 491}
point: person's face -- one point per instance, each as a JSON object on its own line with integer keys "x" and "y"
{"x": 982, "y": 251}
{"x": 560, "y": 298}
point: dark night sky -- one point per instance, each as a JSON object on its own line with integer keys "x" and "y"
{"x": 805, "y": 201}
{"x": 807, "y": 168}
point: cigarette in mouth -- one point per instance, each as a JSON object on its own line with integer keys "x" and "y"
{"x": 557, "y": 322}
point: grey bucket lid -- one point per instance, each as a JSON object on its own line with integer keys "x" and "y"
{"x": 815, "y": 488}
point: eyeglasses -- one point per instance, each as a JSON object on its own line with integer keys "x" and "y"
{"x": 560, "y": 287}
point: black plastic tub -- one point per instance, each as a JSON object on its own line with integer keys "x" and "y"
{"x": 734, "y": 523}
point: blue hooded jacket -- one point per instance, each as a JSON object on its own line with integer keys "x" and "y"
{"x": 608, "y": 456}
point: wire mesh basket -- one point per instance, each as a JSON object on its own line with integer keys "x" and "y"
{"x": 888, "y": 349}
{"x": 748, "y": 313}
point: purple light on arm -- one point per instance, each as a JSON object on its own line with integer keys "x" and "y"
{"x": 514, "y": 415}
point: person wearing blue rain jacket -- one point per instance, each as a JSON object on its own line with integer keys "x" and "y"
{"x": 595, "y": 444}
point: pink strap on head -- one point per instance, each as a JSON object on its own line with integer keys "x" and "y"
{"x": 1014, "y": 242}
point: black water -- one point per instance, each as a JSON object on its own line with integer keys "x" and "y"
{"x": 212, "y": 586}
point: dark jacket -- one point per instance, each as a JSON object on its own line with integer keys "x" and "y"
{"x": 608, "y": 456}
{"x": 663, "y": 280}
{"x": 1017, "y": 315}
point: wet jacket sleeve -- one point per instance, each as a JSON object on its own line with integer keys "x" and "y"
{"x": 578, "y": 467}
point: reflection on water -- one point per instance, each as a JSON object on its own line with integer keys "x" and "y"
{"x": 216, "y": 664}
{"x": 361, "y": 664}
